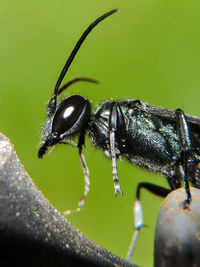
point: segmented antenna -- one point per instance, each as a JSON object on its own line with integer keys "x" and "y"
{"x": 52, "y": 103}
{"x": 79, "y": 79}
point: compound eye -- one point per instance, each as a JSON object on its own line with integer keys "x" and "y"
{"x": 68, "y": 113}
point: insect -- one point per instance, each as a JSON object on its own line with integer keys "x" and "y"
{"x": 156, "y": 138}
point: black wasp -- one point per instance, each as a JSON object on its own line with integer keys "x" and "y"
{"x": 152, "y": 137}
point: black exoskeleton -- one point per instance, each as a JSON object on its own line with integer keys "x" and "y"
{"x": 159, "y": 142}
{"x": 152, "y": 137}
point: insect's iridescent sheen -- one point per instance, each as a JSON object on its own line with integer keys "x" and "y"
{"x": 152, "y": 137}
{"x": 150, "y": 140}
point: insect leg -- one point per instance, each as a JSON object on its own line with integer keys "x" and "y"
{"x": 138, "y": 214}
{"x": 174, "y": 182}
{"x": 86, "y": 173}
{"x": 68, "y": 142}
{"x": 116, "y": 121}
{"x": 186, "y": 147}
{"x": 114, "y": 163}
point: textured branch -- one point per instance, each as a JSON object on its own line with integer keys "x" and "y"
{"x": 32, "y": 232}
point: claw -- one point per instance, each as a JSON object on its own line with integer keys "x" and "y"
{"x": 118, "y": 189}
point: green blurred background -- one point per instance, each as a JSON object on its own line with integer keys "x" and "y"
{"x": 150, "y": 51}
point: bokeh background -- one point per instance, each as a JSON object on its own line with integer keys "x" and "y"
{"x": 150, "y": 51}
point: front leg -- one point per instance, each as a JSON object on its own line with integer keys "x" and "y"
{"x": 186, "y": 150}
{"x": 81, "y": 203}
{"x": 116, "y": 133}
